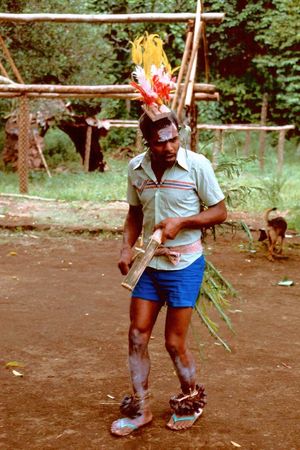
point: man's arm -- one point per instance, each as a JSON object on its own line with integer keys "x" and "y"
{"x": 132, "y": 229}
{"x": 212, "y": 216}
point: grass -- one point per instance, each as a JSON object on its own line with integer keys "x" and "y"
{"x": 250, "y": 189}
{"x": 73, "y": 185}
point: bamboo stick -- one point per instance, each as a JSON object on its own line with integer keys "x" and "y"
{"x": 42, "y": 155}
{"x": 186, "y": 53}
{"x": 198, "y": 96}
{"x": 184, "y": 91}
{"x": 110, "y": 18}
{"x": 196, "y": 43}
{"x": 280, "y": 151}
{"x": 244, "y": 127}
{"x": 87, "y": 150}
{"x": 247, "y": 143}
{"x": 262, "y": 135}
{"x": 3, "y": 70}
{"x": 205, "y": 51}
{"x": 81, "y": 89}
{"x": 10, "y": 60}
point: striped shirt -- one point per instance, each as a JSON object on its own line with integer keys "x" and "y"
{"x": 190, "y": 180}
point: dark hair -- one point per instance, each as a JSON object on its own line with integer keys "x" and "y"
{"x": 148, "y": 126}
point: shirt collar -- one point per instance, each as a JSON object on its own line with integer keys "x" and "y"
{"x": 145, "y": 159}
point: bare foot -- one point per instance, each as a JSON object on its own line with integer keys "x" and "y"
{"x": 183, "y": 422}
{"x": 125, "y": 426}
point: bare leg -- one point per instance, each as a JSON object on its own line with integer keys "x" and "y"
{"x": 177, "y": 324}
{"x": 143, "y": 315}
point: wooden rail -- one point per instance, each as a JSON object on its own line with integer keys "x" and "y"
{"x": 110, "y": 18}
{"x": 219, "y": 139}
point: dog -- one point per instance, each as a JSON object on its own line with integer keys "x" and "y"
{"x": 274, "y": 232}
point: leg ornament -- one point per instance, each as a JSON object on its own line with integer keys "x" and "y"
{"x": 184, "y": 404}
{"x": 137, "y": 413}
{"x": 133, "y": 405}
{"x": 187, "y": 408}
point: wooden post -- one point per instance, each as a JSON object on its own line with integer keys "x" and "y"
{"x": 186, "y": 53}
{"x": 216, "y": 147}
{"x": 110, "y": 18}
{"x": 280, "y": 153}
{"x": 196, "y": 43}
{"x": 139, "y": 140}
{"x": 23, "y": 144}
{"x": 42, "y": 155}
{"x": 247, "y": 143}
{"x": 87, "y": 150}
{"x": 193, "y": 125}
{"x": 10, "y": 60}
{"x": 262, "y": 134}
{"x": 188, "y": 76}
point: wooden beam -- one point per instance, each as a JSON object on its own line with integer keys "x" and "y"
{"x": 244, "y": 127}
{"x": 110, "y": 18}
{"x": 198, "y": 32}
{"x": 76, "y": 89}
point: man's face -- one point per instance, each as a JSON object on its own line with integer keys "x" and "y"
{"x": 164, "y": 145}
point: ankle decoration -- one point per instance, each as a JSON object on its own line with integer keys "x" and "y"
{"x": 186, "y": 404}
{"x": 132, "y": 406}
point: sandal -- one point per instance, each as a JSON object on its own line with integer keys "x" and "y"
{"x": 133, "y": 407}
{"x": 177, "y": 423}
{"x": 187, "y": 408}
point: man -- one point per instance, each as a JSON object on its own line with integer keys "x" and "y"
{"x": 165, "y": 187}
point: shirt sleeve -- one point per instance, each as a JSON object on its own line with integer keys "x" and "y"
{"x": 208, "y": 187}
{"x": 132, "y": 196}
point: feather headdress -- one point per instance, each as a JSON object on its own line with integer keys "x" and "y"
{"x": 152, "y": 77}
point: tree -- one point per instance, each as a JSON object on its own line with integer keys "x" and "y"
{"x": 86, "y": 58}
{"x": 252, "y": 52}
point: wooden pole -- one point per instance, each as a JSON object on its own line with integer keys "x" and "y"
{"x": 205, "y": 51}
{"x": 247, "y": 143}
{"x": 77, "y": 89}
{"x": 262, "y": 134}
{"x": 207, "y": 126}
{"x": 41, "y": 155}
{"x": 193, "y": 125}
{"x": 3, "y": 71}
{"x": 196, "y": 43}
{"x": 186, "y": 53}
{"x": 110, "y": 18}
{"x": 187, "y": 77}
{"x": 10, "y": 60}
{"x": 280, "y": 152}
{"x": 87, "y": 150}
{"x": 23, "y": 144}
{"x": 216, "y": 147}
{"x": 139, "y": 139}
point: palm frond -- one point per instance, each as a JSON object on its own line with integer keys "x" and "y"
{"x": 215, "y": 292}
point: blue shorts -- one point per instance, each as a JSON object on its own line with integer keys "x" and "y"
{"x": 176, "y": 288}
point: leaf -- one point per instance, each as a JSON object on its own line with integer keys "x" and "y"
{"x": 14, "y": 364}
{"x": 285, "y": 283}
{"x": 16, "y": 373}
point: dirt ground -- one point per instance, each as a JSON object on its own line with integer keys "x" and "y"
{"x": 64, "y": 319}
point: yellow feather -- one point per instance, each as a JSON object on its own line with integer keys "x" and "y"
{"x": 147, "y": 50}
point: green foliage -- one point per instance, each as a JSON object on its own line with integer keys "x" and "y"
{"x": 254, "y": 51}
{"x": 215, "y": 294}
{"x": 59, "y": 149}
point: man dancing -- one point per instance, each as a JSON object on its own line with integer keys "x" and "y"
{"x": 166, "y": 186}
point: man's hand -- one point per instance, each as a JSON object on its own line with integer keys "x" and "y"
{"x": 170, "y": 227}
{"x": 125, "y": 260}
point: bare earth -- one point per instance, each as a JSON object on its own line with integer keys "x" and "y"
{"x": 64, "y": 316}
